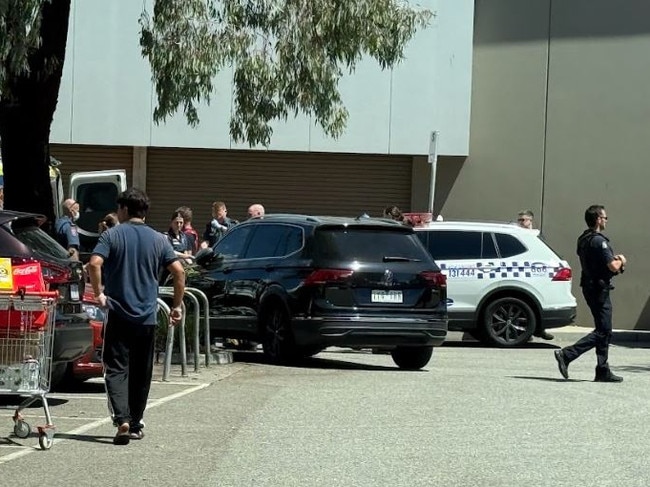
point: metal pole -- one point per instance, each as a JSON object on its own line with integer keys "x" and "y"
{"x": 433, "y": 161}
{"x": 206, "y": 321}
{"x": 170, "y": 341}
{"x": 197, "y": 325}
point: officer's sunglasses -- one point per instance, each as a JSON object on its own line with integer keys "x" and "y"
{"x": 603, "y": 217}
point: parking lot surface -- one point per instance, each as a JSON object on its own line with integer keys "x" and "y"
{"x": 476, "y": 416}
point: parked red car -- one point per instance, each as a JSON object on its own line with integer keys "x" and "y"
{"x": 24, "y": 242}
{"x": 89, "y": 365}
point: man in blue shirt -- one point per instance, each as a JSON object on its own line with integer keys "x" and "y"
{"x": 218, "y": 226}
{"x": 65, "y": 228}
{"x": 132, "y": 255}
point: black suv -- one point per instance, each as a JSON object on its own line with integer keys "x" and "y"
{"x": 299, "y": 284}
{"x": 23, "y": 241}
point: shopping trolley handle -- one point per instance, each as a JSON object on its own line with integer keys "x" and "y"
{"x": 22, "y": 293}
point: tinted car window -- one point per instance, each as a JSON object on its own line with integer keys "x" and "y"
{"x": 274, "y": 241}
{"x": 291, "y": 241}
{"x": 233, "y": 243}
{"x": 101, "y": 197}
{"x": 448, "y": 245}
{"x": 368, "y": 245}
{"x": 489, "y": 250}
{"x": 509, "y": 245}
{"x": 37, "y": 240}
{"x": 95, "y": 201}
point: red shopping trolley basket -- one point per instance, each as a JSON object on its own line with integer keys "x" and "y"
{"x": 21, "y": 319}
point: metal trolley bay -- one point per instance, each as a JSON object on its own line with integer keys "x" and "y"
{"x": 26, "y": 347}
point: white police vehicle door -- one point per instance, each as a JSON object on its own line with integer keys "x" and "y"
{"x": 96, "y": 192}
{"x": 466, "y": 258}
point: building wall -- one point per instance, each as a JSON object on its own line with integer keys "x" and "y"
{"x": 107, "y": 97}
{"x": 560, "y": 112}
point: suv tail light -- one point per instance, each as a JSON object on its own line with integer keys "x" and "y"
{"x": 55, "y": 274}
{"x": 327, "y": 276}
{"x": 22, "y": 260}
{"x": 434, "y": 278}
{"x": 564, "y": 274}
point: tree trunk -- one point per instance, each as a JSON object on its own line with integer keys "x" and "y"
{"x": 26, "y": 115}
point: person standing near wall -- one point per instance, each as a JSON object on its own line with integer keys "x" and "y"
{"x": 525, "y": 220}
{"x": 218, "y": 226}
{"x": 188, "y": 229}
{"x": 599, "y": 264}
{"x": 132, "y": 255}
{"x": 255, "y": 210}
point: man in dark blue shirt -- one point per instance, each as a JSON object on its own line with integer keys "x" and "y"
{"x": 65, "y": 228}
{"x": 132, "y": 255}
{"x": 218, "y": 226}
{"x": 599, "y": 264}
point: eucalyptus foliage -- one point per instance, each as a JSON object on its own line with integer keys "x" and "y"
{"x": 20, "y": 22}
{"x": 287, "y": 56}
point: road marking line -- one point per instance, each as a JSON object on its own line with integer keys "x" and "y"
{"x": 87, "y": 427}
{"x": 42, "y": 417}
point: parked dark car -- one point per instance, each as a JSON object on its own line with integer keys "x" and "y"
{"x": 23, "y": 241}
{"x": 299, "y": 284}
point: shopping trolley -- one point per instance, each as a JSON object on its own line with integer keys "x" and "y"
{"x": 26, "y": 347}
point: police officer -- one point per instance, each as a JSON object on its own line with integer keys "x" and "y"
{"x": 65, "y": 228}
{"x": 599, "y": 265}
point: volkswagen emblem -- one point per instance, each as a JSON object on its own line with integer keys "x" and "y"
{"x": 387, "y": 278}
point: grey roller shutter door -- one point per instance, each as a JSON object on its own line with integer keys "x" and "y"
{"x": 284, "y": 182}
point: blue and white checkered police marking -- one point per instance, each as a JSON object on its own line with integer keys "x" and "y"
{"x": 501, "y": 270}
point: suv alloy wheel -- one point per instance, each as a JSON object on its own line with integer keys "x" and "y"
{"x": 277, "y": 340}
{"x": 509, "y": 322}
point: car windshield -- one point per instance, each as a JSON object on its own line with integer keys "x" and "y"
{"x": 369, "y": 245}
{"x": 37, "y": 240}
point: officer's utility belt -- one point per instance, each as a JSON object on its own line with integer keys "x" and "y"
{"x": 601, "y": 284}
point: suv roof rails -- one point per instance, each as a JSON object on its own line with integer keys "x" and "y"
{"x": 329, "y": 219}
{"x": 292, "y": 216}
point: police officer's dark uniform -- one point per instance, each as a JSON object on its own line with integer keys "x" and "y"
{"x": 595, "y": 254}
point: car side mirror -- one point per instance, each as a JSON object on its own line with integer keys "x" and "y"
{"x": 204, "y": 256}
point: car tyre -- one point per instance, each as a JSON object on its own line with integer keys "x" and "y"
{"x": 306, "y": 352}
{"x": 58, "y": 374}
{"x": 411, "y": 358}
{"x": 508, "y": 322}
{"x": 277, "y": 338}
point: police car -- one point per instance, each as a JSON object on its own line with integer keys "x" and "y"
{"x": 504, "y": 283}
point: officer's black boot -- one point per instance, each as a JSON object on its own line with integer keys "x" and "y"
{"x": 606, "y": 375}
{"x": 562, "y": 363}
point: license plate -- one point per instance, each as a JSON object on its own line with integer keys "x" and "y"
{"x": 379, "y": 296}
{"x": 74, "y": 292}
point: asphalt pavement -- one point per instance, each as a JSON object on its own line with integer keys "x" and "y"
{"x": 477, "y": 416}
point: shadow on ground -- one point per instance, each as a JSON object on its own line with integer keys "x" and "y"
{"x": 14, "y": 400}
{"x": 318, "y": 362}
{"x": 85, "y": 438}
{"x": 81, "y": 387}
{"x": 632, "y": 368}
{"x": 546, "y": 379}
{"x": 475, "y": 344}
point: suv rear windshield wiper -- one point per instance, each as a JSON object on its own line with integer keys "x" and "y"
{"x": 396, "y": 258}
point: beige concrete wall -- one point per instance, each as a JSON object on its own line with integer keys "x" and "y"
{"x": 598, "y": 137}
{"x": 504, "y": 170}
{"x": 560, "y": 120}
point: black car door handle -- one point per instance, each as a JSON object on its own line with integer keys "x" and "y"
{"x": 226, "y": 270}
{"x": 269, "y": 268}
